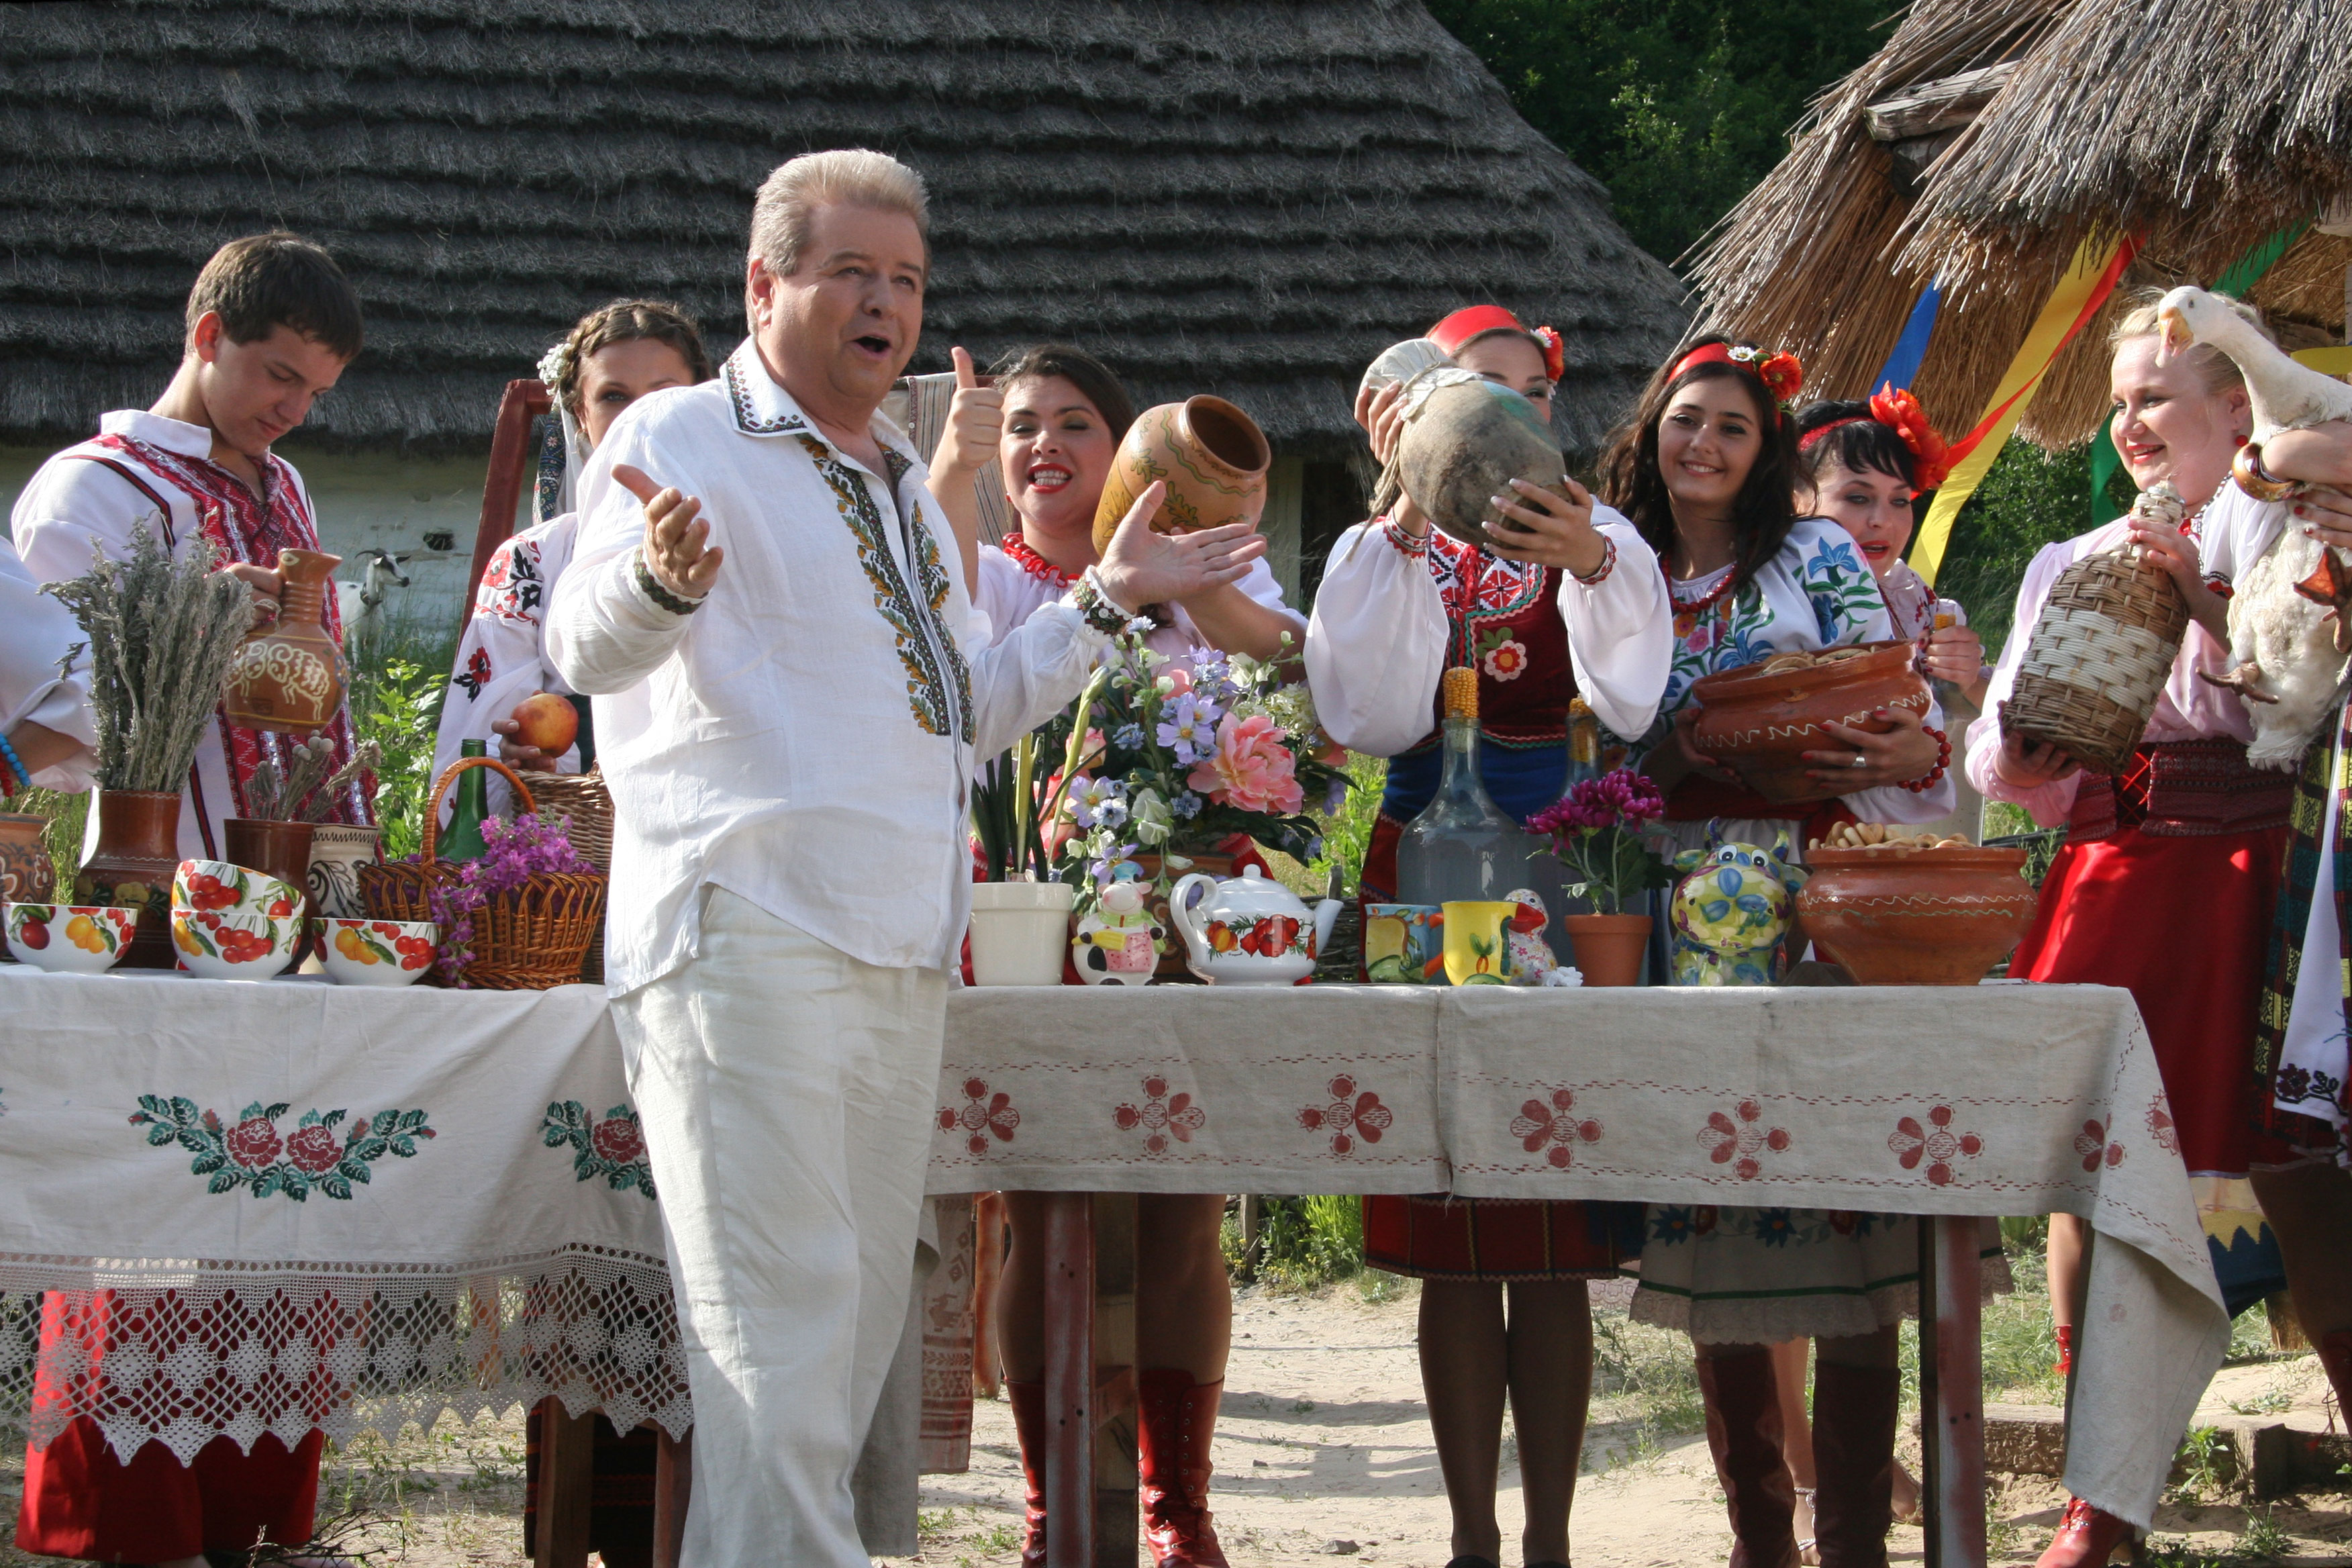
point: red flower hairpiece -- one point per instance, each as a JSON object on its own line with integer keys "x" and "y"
{"x": 1476, "y": 320}
{"x": 1782, "y": 376}
{"x": 1555, "y": 351}
{"x": 1894, "y": 407}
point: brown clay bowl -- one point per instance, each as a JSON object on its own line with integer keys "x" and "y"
{"x": 1761, "y": 726}
{"x": 1928, "y": 917}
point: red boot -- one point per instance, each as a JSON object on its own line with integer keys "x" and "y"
{"x": 1743, "y": 1431}
{"x": 2086, "y": 1537}
{"x": 1177, "y": 1421}
{"x": 2336, "y": 1360}
{"x": 2065, "y": 1350}
{"x": 1028, "y": 1401}
{"x": 1854, "y": 1413}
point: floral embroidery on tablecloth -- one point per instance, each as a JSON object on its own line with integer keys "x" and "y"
{"x": 2160, "y": 1125}
{"x": 2092, "y": 1144}
{"x": 252, "y": 1153}
{"x": 613, "y": 1148}
{"x": 1935, "y": 1143}
{"x": 981, "y": 1114}
{"x": 1737, "y": 1143}
{"x": 1348, "y": 1116}
{"x": 1161, "y": 1115}
{"x": 1555, "y": 1123}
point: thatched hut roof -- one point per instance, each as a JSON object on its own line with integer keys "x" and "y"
{"x": 1989, "y": 138}
{"x": 1210, "y": 193}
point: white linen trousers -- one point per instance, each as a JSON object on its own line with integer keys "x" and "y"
{"x": 786, "y": 1090}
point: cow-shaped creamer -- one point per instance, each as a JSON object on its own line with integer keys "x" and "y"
{"x": 1730, "y": 911}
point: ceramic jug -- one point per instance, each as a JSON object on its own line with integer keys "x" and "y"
{"x": 1250, "y": 930}
{"x": 1212, "y": 456}
{"x": 288, "y": 675}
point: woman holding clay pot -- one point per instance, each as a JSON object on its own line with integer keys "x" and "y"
{"x": 2190, "y": 826}
{"x": 501, "y": 685}
{"x": 1053, "y": 418}
{"x": 1563, "y": 600}
{"x": 1706, "y": 471}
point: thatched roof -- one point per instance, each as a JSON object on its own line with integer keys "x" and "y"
{"x": 1212, "y": 194}
{"x": 1989, "y": 138}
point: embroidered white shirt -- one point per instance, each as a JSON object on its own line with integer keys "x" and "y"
{"x": 806, "y": 738}
{"x": 1010, "y": 593}
{"x": 501, "y": 659}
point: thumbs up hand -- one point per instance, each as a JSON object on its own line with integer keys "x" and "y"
{"x": 975, "y": 420}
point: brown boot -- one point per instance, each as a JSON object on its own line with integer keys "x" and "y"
{"x": 1028, "y": 1402}
{"x": 1743, "y": 1431}
{"x": 1854, "y": 1412}
{"x": 1177, "y": 1421}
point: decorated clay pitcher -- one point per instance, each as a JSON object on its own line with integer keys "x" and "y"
{"x": 26, "y": 876}
{"x": 1212, "y": 456}
{"x": 288, "y": 675}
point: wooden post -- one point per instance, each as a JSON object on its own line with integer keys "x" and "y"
{"x": 567, "y": 1478}
{"x": 523, "y": 402}
{"x": 1115, "y": 1475}
{"x": 1069, "y": 1312}
{"x": 673, "y": 1490}
{"x": 1951, "y": 1391}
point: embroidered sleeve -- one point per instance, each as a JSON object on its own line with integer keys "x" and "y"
{"x": 512, "y": 587}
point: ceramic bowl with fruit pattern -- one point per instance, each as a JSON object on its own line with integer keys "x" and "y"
{"x": 226, "y": 945}
{"x": 69, "y": 939}
{"x": 379, "y": 953}
{"x": 216, "y": 887}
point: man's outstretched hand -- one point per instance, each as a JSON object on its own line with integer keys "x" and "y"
{"x": 1142, "y": 566}
{"x": 679, "y": 550}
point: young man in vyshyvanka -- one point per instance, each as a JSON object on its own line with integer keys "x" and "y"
{"x": 271, "y": 325}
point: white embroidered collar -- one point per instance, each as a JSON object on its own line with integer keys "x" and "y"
{"x": 763, "y": 407}
{"x": 155, "y": 430}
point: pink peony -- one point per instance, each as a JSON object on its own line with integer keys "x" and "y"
{"x": 1251, "y": 770}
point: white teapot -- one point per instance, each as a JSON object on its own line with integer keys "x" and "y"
{"x": 1250, "y": 930}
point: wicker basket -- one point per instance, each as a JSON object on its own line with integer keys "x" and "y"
{"x": 586, "y": 808}
{"x": 2098, "y": 658}
{"x": 531, "y": 939}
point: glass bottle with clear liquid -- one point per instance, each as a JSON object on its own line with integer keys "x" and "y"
{"x": 1461, "y": 846}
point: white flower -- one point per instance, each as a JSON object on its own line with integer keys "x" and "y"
{"x": 555, "y": 363}
{"x": 1152, "y": 819}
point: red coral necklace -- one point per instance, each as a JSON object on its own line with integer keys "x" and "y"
{"x": 1016, "y": 550}
{"x": 1705, "y": 601}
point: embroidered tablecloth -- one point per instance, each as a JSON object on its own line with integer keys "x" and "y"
{"x": 1991, "y": 1100}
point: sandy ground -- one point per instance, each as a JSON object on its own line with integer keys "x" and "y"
{"x": 1323, "y": 1447}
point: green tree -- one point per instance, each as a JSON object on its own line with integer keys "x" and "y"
{"x": 2029, "y": 498}
{"x": 1678, "y": 106}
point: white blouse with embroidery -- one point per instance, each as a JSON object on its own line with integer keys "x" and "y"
{"x": 501, "y": 659}
{"x": 1376, "y": 643}
{"x": 1015, "y": 582}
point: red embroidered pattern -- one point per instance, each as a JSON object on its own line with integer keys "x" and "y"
{"x": 1161, "y": 1115}
{"x": 1016, "y": 550}
{"x": 982, "y": 1113}
{"x": 2092, "y": 1144}
{"x": 1937, "y": 1145}
{"x": 2160, "y": 1125}
{"x": 1727, "y": 1142}
{"x": 1348, "y": 1116}
{"x": 1555, "y": 1124}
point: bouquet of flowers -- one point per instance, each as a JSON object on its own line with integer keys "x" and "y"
{"x": 1596, "y": 828}
{"x": 1170, "y": 756}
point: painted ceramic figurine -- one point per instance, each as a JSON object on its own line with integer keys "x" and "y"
{"x": 1117, "y": 942}
{"x": 1730, "y": 911}
{"x": 1523, "y": 935}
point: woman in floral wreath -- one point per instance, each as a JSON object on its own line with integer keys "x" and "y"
{"x": 613, "y": 356}
{"x": 1054, "y": 419}
{"x": 1564, "y": 601}
{"x": 1706, "y": 471}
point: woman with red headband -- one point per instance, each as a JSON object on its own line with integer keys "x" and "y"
{"x": 1570, "y": 604}
{"x": 1706, "y": 470}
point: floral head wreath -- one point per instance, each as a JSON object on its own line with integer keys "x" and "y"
{"x": 555, "y": 364}
{"x": 1782, "y": 376}
{"x": 1894, "y": 407}
{"x": 1476, "y": 320}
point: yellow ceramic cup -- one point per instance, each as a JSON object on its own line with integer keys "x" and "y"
{"x": 1476, "y": 950}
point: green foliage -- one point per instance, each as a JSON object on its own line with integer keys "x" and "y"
{"x": 398, "y": 682}
{"x": 1678, "y": 106}
{"x": 2029, "y": 498}
{"x": 1301, "y": 1242}
{"x": 69, "y": 816}
{"x": 2203, "y": 1453}
{"x": 1348, "y": 834}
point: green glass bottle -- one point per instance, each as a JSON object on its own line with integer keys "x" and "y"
{"x": 462, "y": 839}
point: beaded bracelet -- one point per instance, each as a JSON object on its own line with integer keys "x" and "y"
{"x": 20, "y": 777}
{"x": 654, "y": 590}
{"x": 1093, "y": 602}
{"x": 1608, "y": 565}
{"x": 1943, "y": 759}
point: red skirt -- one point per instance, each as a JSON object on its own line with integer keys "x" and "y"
{"x": 2184, "y": 924}
{"x": 1499, "y": 1239}
{"x": 82, "y": 1501}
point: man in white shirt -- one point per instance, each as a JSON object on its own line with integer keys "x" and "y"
{"x": 792, "y": 691}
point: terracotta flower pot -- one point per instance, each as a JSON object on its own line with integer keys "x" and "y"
{"x": 1211, "y": 455}
{"x": 131, "y": 866}
{"x": 283, "y": 849}
{"x": 1760, "y": 725}
{"x": 1607, "y": 949}
{"x": 288, "y": 675}
{"x": 1464, "y": 445}
{"x": 26, "y": 876}
{"x": 1934, "y": 917}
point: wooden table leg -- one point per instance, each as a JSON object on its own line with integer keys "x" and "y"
{"x": 673, "y": 1490}
{"x": 1951, "y": 1391}
{"x": 1115, "y": 1381}
{"x": 1069, "y": 1312}
{"x": 567, "y": 1480}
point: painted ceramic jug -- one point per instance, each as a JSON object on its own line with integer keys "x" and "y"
{"x": 1730, "y": 911}
{"x": 1117, "y": 942}
{"x": 1212, "y": 456}
{"x": 1251, "y": 931}
{"x": 27, "y": 875}
{"x": 288, "y": 675}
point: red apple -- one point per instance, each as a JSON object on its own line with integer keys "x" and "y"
{"x": 547, "y": 721}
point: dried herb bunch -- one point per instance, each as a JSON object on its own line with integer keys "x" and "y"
{"x": 301, "y": 796}
{"x": 161, "y": 633}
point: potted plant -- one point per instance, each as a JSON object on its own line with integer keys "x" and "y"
{"x": 1020, "y": 911}
{"x": 1596, "y": 832}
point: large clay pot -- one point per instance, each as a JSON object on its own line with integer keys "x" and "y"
{"x": 131, "y": 866}
{"x": 1931, "y": 917}
{"x": 1211, "y": 455}
{"x": 1762, "y": 725}
{"x": 283, "y": 849}
{"x": 1607, "y": 950}
{"x": 288, "y": 675}
{"x": 1465, "y": 439}
{"x": 26, "y": 876}
{"x": 338, "y": 850}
